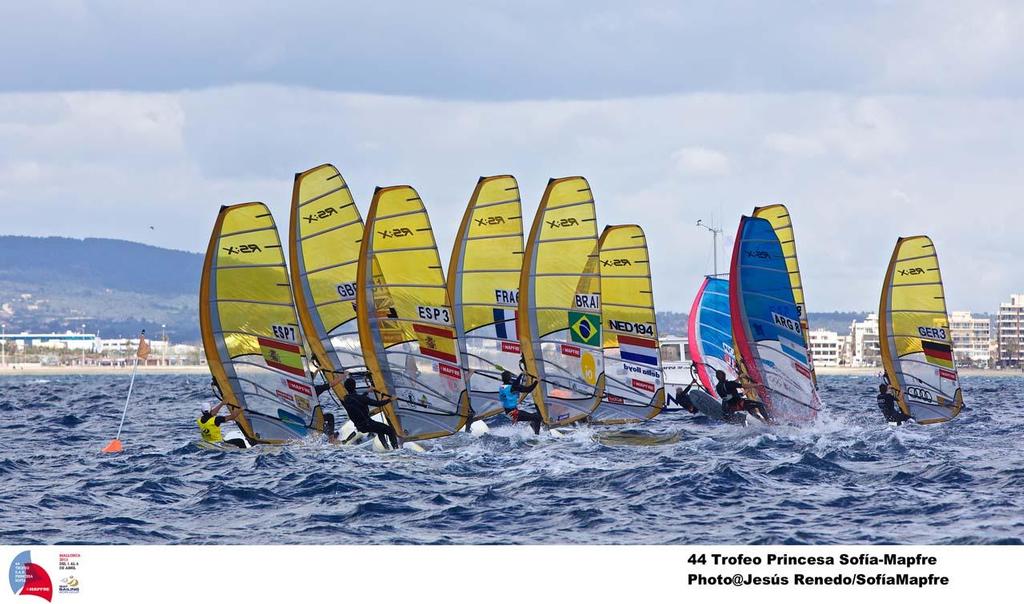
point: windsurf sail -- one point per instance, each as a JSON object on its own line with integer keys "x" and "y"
{"x": 560, "y": 304}
{"x": 709, "y": 336}
{"x": 779, "y": 217}
{"x": 633, "y": 387}
{"x": 251, "y": 335}
{"x": 766, "y": 326}
{"x": 405, "y": 319}
{"x": 483, "y": 286}
{"x": 913, "y": 330}
{"x": 326, "y": 230}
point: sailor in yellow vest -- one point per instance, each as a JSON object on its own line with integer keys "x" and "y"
{"x": 209, "y": 425}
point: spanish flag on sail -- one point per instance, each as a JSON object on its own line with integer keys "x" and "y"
{"x": 436, "y": 342}
{"x": 282, "y": 355}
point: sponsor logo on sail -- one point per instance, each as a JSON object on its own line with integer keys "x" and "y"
{"x": 616, "y": 262}
{"x": 449, "y": 371}
{"x": 642, "y": 385}
{"x": 512, "y": 347}
{"x": 911, "y": 272}
{"x": 563, "y": 223}
{"x": 490, "y": 221}
{"x": 397, "y": 232}
{"x": 245, "y": 248}
{"x": 570, "y": 351}
{"x": 320, "y": 215}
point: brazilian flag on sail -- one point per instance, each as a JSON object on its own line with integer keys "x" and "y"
{"x": 585, "y": 328}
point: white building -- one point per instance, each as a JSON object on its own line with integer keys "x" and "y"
{"x": 971, "y": 339}
{"x": 674, "y": 361}
{"x": 864, "y": 347}
{"x": 826, "y": 348}
{"x": 1009, "y": 331}
{"x": 56, "y": 341}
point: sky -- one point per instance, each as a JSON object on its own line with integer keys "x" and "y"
{"x": 870, "y": 120}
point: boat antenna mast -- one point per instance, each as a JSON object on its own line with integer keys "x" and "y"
{"x": 715, "y": 232}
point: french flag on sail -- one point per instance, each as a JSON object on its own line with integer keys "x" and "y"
{"x": 638, "y": 350}
{"x": 505, "y": 324}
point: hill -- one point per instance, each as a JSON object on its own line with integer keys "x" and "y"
{"x": 113, "y": 287}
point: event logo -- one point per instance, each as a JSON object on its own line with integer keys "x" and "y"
{"x": 28, "y": 578}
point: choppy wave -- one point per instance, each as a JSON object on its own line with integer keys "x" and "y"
{"x": 847, "y": 478}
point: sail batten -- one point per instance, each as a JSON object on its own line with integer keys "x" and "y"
{"x": 916, "y": 342}
{"x": 560, "y": 304}
{"x": 634, "y": 389}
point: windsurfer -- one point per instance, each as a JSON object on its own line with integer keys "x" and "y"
{"x": 732, "y": 401}
{"x": 682, "y": 398}
{"x": 508, "y": 393}
{"x": 887, "y": 405}
{"x": 209, "y": 424}
{"x": 358, "y": 406}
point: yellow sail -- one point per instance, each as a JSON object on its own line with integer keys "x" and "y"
{"x": 633, "y": 389}
{"x": 251, "y": 335}
{"x": 326, "y": 230}
{"x": 914, "y": 335}
{"x": 405, "y": 318}
{"x": 483, "y": 285}
{"x": 560, "y": 304}
{"x": 780, "y": 220}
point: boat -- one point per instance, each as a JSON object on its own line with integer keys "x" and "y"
{"x": 710, "y": 343}
{"x": 405, "y": 319}
{"x": 779, "y": 217}
{"x": 913, "y": 331}
{"x": 633, "y": 389}
{"x": 771, "y": 356}
{"x": 483, "y": 286}
{"x": 251, "y": 335}
{"x": 560, "y": 304}
{"x": 326, "y": 229}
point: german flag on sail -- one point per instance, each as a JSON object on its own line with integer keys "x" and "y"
{"x": 282, "y": 355}
{"x": 436, "y": 342}
{"x": 938, "y": 353}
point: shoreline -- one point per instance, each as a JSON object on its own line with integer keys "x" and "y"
{"x": 65, "y": 370}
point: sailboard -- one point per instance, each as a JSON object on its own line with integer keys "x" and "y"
{"x": 779, "y": 217}
{"x": 709, "y": 334}
{"x": 913, "y": 330}
{"x": 251, "y": 335}
{"x": 326, "y": 231}
{"x": 483, "y": 286}
{"x": 633, "y": 387}
{"x": 405, "y": 319}
{"x": 767, "y": 332}
{"x": 560, "y": 304}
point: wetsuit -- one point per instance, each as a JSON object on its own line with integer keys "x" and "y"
{"x": 358, "y": 408}
{"x": 887, "y": 405}
{"x": 732, "y": 401}
{"x": 509, "y": 396}
{"x": 682, "y": 399}
{"x": 209, "y": 426}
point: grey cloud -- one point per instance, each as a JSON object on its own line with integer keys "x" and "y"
{"x": 171, "y": 160}
{"x": 528, "y": 49}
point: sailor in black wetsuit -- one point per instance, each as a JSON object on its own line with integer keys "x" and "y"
{"x": 682, "y": 398}
{"x": 888, "y": 406}
{"x": 732, "y": 401}
{"x": 358, "y": 408}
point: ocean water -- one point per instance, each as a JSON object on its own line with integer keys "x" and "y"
{"x": 847, "y": 479}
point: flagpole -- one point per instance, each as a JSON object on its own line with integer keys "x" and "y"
{"x": 114, "y": 446}
{"x": 131, "y": 384}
